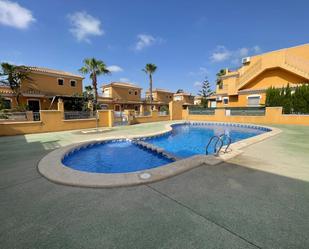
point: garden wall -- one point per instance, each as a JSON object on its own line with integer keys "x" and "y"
{"x": 273, "y": 115}
{"x": 54, "y": 121}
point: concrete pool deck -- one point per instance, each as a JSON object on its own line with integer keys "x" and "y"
{"x": 53, "y": 169}
{"x": 259, "y": 199}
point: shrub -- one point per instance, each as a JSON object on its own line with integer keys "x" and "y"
{"x": 297, "y": 102}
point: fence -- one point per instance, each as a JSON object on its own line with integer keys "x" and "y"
{"x": 53, "y": 120}
{"x": 270, "y": 115}
{"x": 163, "y": 113}
{"x": 13, "y": 116}
{"x": 142, "y": 114}
{"x": 120, "y": 118}
{"x": 78, "y": 115}
{"x": 201, "y": 111}
{"x": 246, "y": 111}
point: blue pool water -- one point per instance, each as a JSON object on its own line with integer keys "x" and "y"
{"x": 187, "y": 140}
{"x": 183, "y": 141}
{"x": 114, "y": 157}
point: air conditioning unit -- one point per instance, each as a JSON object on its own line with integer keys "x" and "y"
{"x": 245, "y": 60}
{"x": 219, "y": 98}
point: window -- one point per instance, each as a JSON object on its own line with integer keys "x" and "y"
{"x": 60, "y": 82}
{"x": 106, "y": 93}
{"x": 254, "y": 100}
{"x": 135, "y": 92}
{"x": 177, "y": 98}
{"x": 7, "y": 104}
{"x": 226, "y": 100}
{"x": 73, "y": 83}
{"x": 130, "y": 92}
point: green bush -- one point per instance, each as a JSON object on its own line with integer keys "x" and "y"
{"x": 291, "y": 102}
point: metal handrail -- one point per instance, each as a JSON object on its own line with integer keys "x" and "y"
{"x": 215, "y": 148}
{"x": 229, "y": 141}
{"x": 219, "y": 139}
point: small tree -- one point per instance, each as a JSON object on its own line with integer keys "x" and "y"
{"x": 150, "y": 69}
{"x": 205, "y": 92}
{"x": 219, "y": 80}
{"x": 88, "y": 93}
{"x": 287, "y": 100}
{"x": 94, "y": 68}
{"x": 13, "y": 76}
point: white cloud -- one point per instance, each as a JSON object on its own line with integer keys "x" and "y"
{"x": 257, "y": 49}
{"x": 197, "y": 84}
{"x": 84, "y": 26}
{"x": 243, "y": 52}
{"x": 221, "y": 53}
{"x": 124, "y": 80}
{"x": 144, "y": 40}
{"x": 14, "y": 15}
{"x": 114, "y": 69}
{"x": 202, "y": 71}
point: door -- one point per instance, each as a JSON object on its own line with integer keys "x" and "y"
{"x": 34, "y": 106}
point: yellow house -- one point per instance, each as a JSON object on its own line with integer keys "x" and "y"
{"x": 120, "y": 96}
{"x": 246, "y": 86}
{"x": 161, "y": 97}
{"x": 186, "y": 98}
{"x": 45, "y": 86}
{"x": 198, "y": 100}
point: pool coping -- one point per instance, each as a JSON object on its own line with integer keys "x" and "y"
{"x": 51, "y": 166}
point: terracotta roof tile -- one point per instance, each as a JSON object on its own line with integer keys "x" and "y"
{"x": 53, "y": 71}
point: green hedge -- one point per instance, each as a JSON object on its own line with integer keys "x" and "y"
{"x": 294, "y": 100}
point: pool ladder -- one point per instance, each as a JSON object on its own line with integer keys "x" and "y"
{"x": 219, "y": 139}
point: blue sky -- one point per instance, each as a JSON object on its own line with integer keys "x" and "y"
{"x": 187, "y": 40}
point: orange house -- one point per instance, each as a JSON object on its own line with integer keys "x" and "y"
{"x": 160, "y": 97}
{"x": 45, "y": 86}
{"x": 120, "y": 96}
{"x": 246, "y": 86}
{"x": 186, "y": 98}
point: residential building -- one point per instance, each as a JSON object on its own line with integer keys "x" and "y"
{"x": 186, "y": 98}
{"x": 246, "y": 86}
{"x": 43, "y": 88}
{"x": 160, "y": 98}
{"x": 198, "y": 100}
{"x": 120, "y": 96}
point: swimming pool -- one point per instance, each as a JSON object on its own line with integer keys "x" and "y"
{"x": 190, "y": 139}
{"x": 114, "y": 157}
{"x": 183, "y": 141}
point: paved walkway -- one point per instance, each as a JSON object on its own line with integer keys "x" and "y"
{"x": 257, "y": 200}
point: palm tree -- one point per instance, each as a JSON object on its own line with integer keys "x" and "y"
{"x": 12, "y": 76}
{"x": 95, "y": 68}
{"x": 150, "y": 69}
